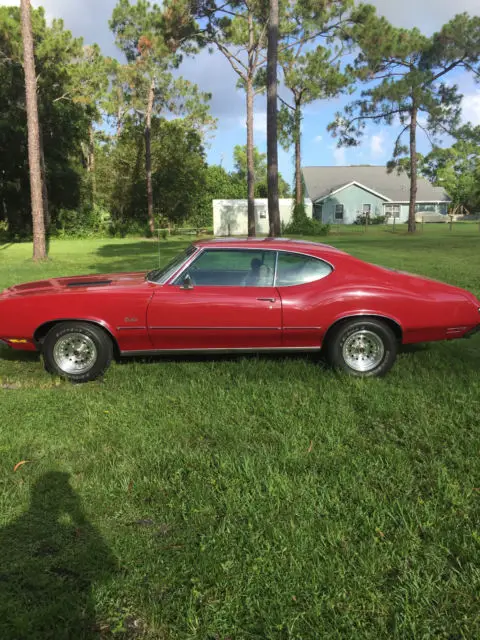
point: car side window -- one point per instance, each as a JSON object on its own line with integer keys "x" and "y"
{"x": 294, "y": 269}
{"x": 232, "y": 268}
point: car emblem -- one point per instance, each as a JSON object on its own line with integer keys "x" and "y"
{"x": 131, "y": 320}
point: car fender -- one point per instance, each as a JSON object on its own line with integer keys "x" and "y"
{"x": 42, "y": 330}
{"x": 393, "y": 322}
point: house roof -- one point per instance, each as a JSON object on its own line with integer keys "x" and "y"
{"x": 322, "y": 181}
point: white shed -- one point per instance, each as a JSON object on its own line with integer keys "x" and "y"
{"x": 230, "y": 217}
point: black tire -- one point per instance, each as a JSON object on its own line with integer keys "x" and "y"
{"x": 355, "y": 344}
{"x": 89, "y": 362}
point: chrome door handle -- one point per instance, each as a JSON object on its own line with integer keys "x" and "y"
{"x": 267, "y": 299}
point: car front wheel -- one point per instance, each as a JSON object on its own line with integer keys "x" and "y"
{"x": 362, "y": 348}
{"x": 78, "y": 351}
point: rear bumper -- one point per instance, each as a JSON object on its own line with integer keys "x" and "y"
{"x": 472, "y": 332}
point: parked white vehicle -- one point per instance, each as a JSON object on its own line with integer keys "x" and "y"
{"x": 431, "y": 216}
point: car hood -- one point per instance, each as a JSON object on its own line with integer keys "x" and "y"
{"x": 59, "y": 285}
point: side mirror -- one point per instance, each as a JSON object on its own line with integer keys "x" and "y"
{"x": 187, "y": 282}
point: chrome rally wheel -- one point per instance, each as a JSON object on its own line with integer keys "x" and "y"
{"x": 79, "y": 351}
{"x": 75, "y": 353}
{"x": 362, "y": 347}
{"x": 363, "y": 350}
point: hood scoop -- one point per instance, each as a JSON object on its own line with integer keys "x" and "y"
{"x": 89, "y": 283}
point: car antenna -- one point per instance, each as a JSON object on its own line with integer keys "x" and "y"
{"x": 159, "y": 248}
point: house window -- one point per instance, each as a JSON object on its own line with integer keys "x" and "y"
{"x": 443, "y": 208}
{"x": 431, "y": 207}
{"x": 339, "y": 212}
{"x": 392, "y": 210}
{"x": 367, "y": 209}
{"x": 318, "y": 210}
{"x": 261, "y": 211}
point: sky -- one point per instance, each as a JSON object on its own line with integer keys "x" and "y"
{"x": 212, "y": 72}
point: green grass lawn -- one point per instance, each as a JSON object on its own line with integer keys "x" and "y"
{"x": 241, "y": 498}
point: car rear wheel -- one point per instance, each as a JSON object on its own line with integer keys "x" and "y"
{"x": 78, "y": 351}
{"x": 362, "y": 348}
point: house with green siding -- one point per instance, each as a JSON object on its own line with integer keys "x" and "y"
{"x": 339, "y": 195}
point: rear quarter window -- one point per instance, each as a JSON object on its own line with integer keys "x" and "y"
{"x": 294, "y": 269}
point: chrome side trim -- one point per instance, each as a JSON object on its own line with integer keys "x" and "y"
{"x": 301, "y": 328}
{"x": 366, "y": 314}
{"x": 152, "y": 352}
{"x": 275, "y": 268}
{"x": 130, "y": 328}
{"x": 217, "y": 328}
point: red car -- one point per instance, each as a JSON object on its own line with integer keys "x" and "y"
{"x": 236, "y": 296}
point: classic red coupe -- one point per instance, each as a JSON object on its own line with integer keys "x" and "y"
{"x": 236, "y": 295}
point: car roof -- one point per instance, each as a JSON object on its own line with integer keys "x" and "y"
{"x": 279, "y": 244}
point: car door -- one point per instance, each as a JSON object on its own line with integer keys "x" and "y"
{"x": 220, "y": 302}
{"x": 303, "y": 283}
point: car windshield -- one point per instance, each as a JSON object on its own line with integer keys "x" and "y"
{"x": 160, "y": 276}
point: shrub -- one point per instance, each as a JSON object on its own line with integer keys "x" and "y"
{"x": 120, "y": 228}
{"x": 86, "y": 222}
{"x": 360, "y": 219}
{"x": 4, "y": 231}
{"x": 301, "y": 224}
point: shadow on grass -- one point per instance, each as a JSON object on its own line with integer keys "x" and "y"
{"x": 313, "y": 358}
{"x": 18, "y": 356}
{"x": 136, "y": 256}
{"x": 51, "y": 556}
{"x": 469, "y": 358}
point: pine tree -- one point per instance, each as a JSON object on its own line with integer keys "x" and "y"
{"x": 34, "y": 154}
{"x": 406, "y": 72}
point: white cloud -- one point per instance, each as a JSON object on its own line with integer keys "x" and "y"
{"x": 259, "y": 122}
{"x": 426, "y": 15}
{"x": 318, "y": 139}
{"x": 339, "y": 155}
{"x": 471, "y": 108}
{"x": 377, "y": 148}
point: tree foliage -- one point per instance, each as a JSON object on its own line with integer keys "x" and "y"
{"x": 457, "y": 168}
{"x": 64, "y": 122}
{"x": 261, "y": 172}
{"x": 152, "y": 38}
{"x": 238, "y": 29}
{"x": 310, "y": 58}
{"x": 178, "y": 176}
{"x": 406, "y": 75}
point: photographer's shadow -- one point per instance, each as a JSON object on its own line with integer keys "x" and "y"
{"x": 50, "y": 558}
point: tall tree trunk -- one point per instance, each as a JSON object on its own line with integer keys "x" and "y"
{"x": 148, "y": 158}
{"x": 298, "y": 152}
{"x": 34, "y": 160}
{"x": 91, "y": 161}
{"x": 46, "y": 209}
{"x": 413, "y": 170}
{"x": 272, "y": 126}
{"x": 250, "y": 155}
{"x": 250, "y": 162}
